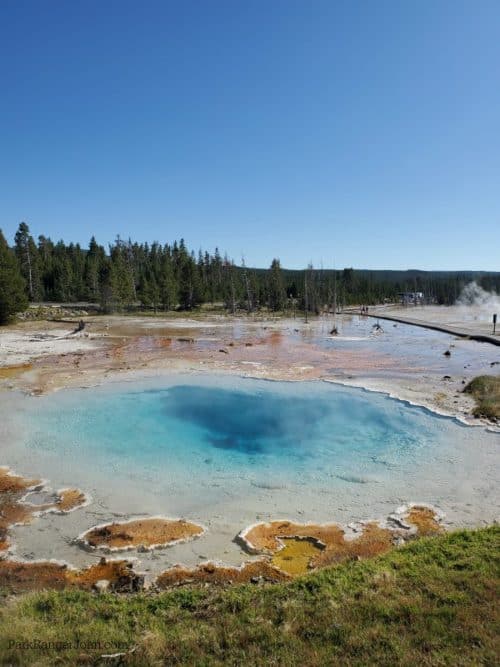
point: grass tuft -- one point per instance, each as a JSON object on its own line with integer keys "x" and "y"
{"x": 486, "y": 390}
{"x": 431, "y": 602}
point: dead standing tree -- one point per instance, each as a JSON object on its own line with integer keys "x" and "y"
{"x": 247, "y": 286}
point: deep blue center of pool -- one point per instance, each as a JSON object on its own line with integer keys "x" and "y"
{"x": 247, "y": 423}
{"x": 192, "y": 430}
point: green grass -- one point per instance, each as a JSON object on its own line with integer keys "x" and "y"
{"x": 486, "y": 390}
{"x": 433, "y": 602}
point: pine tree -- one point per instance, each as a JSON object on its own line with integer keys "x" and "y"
{"x": 27, "y": 255}
{"x": 121, "y": 280}
{"x": 94, "y": 262}
{"x": 45, "y": 255}
{"x": 13, "y": 297}
{"x": 230, "y": 285}
{"x": 189, "y": 283}
{"x": 277, "y": 297}
{"x": 168, "y": 286}
{"x": 62, "y": 273}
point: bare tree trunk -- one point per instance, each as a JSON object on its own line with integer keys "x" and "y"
{"x": 130, "y": 262}
{"x": 306, "y": 300}
{"x": 30, "y": 274}
{"x": 334, "y": 295}
{"x": 247, "y": 286}
{"x": 233, "y": 295}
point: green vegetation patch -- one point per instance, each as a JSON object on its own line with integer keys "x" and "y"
{"x": 486, "y": 390}
{"x": 433, "y": 602}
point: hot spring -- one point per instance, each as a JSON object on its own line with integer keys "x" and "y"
{"x": 228, "y": 452}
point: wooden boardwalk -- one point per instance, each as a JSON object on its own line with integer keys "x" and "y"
{"x": 460, "y": 333}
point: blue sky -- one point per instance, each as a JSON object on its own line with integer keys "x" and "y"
{"x": 362, "y": 133}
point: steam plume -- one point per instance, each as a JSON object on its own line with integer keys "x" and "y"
{"x": 475, "y": 298}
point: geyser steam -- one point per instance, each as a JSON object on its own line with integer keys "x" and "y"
{"x": 483, "y": 303}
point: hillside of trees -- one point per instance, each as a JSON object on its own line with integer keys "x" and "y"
{"x": 129, "y": 275}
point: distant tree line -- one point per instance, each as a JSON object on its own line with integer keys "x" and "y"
{"x": 130, "y": 275}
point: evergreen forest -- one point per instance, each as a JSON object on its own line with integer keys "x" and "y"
{"x": 162, "y": 277}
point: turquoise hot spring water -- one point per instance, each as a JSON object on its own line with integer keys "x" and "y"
{"x": 229, "y": 451}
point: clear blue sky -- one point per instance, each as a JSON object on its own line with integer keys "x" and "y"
{"x": 364, "y": 133}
